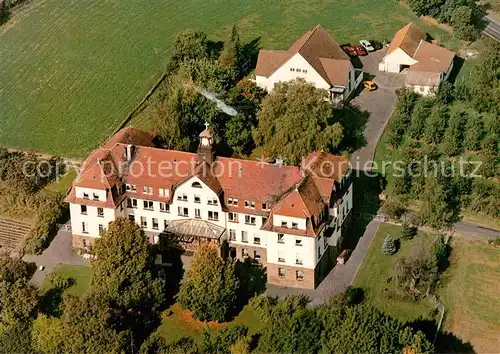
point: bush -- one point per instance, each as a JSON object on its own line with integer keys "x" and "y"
{"x": 494, "y": 242}
{"x": 408, "y": 232}
{"x": 389, "y": 246}
{"x": 393, "y": 208}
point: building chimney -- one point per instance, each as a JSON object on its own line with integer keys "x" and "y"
{"x": 129, "y": 152}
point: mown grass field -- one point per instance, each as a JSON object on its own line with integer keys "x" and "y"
{"x": 470, "y": 294}
{"x": 72, "y": 70}
{"x": 377, "y": 268}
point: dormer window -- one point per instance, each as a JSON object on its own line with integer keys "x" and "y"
{"x": 252, "y": 205}
{"x": 196, "y": 185}
{"x": 163, "y": 192}
{"x": 295, "y": 225}
{"x": 284, "y": 224}
{"x": 247, "y": 204}
{"x": 131, "y": 188}
{"x": 85, "y": 196}
{"x": 95, "y": 196}
{"x": 147, "y": 190}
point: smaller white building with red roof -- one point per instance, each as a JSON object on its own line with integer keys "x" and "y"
{"x": 315, "y": 57}
{"x": 289, "y": 218}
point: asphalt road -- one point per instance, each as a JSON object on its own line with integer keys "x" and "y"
{"x": 493, "y": 27}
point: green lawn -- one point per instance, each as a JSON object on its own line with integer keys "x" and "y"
{"x": 377, "y": 268}
{"x": 72, "y": 70}
{"x": 470, "y": 295}
{"x": 80, "y": 274}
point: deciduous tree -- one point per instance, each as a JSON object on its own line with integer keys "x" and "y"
{"x": 123, "y": 270}
{"x": 454, "y": 135}
{"x": 190, "y": 44}
{"x": 435, "y": 125}
{"x": 294, "y": 120}
{"x": 211, "y": 287}
{"x": 418, "y": 119}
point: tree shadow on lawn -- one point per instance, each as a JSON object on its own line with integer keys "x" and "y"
{"x": 446, "y": 342}
{"x": 354, "y": 120}
{"x": 457, "y": 66}
{"x": 250, "y": 52}
{"x": 366, "y": 190}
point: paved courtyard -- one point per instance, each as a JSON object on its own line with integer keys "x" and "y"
{"x": 378, "y": 103}
{"x": 59, "y": 251}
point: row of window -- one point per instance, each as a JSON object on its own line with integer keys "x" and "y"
{"x": 299, "y": 275}
{"x": 249, "y": 204}
{"x": 299, "y": 70}
{"x": 100, "y": 211}
{"x": 244, "y": 237}
{"x": 85, "y": 227}
{"x": 154, "y": 222}
{"x": 249, "y": 219}
{"x": 163, "y": 192}
{"x": 95, "y": 196}
{"x": 197, "y": 199}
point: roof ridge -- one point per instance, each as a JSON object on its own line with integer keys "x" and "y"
{"x": 311, "y": 32}
{"x": 416, "y": 50}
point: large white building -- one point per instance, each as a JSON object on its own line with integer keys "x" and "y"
{"x": 314, "y": 57}
{"x": 289, "y": 218}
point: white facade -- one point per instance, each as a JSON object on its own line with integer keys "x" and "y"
{"x": 194, "y": 199}
{"x": 395, "y": 61}
{"x": 298, "y": 67}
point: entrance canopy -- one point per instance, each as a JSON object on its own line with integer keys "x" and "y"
{"x": 190, "y": 229}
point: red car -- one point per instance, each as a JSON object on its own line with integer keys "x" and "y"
{"x": 350, "y": 50}
{"x": 359, "y": 49}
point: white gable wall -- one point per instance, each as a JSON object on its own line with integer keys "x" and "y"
{"x": 392, "y": 62}
{"x": 284, "y": 74}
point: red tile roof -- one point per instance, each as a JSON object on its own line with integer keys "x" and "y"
{"x": 320, "y": 50}
{"x": 432, "y": 58}
{"x": 407, "y": 38}
{"x": 302, "y": 191}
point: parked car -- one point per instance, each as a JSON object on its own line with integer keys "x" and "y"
{"x": 367, "y": 45}
{"x": 344, "y": 256}
{"x": 370, "y": 85}
{"x": 350, "y": 50}
{"x": 360, "y": 50}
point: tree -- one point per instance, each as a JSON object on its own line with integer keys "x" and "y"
{"x": 408, "y": 231}
{"x": 454, "y": 135}
{"x": 484, "y": 82}
{"x": 361, "y": 328}
{"x": 439, "y": 207}
{"x": 393, "y": 208}
{"x": 294, "y": 120}
{"x": 463, "y": 20}
{"x": 222, "y": 341}
{"x": 417, "y": 274}
{"x": 232, "y": 55}
{"x": 89, "y": 326}
{"x": 18, "y": 302}
{"x": 426, "y": 7}
{"x": 123, "y": 270}
{"x": 190, "y": 44}
{"x": 396, "y": 129}
{"x": 389, "y": 246}
{"x": 47, "y": 335}
{"x": 211, "y": 287}
{"x": 289, "y": 325}
{"x": 445, "y": 93}
{"x": 474, "y": 131}
{"x": 435, "y": 124}
{"x": 239, "y": 133}
{"x": 420, "y": 113}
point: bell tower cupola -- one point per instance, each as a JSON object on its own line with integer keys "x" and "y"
{"x": 205, "y": 148}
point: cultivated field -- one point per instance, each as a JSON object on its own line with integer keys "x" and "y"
{"x": 72, "y": 70}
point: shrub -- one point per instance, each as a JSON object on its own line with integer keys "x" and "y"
{"x": 393, "y": 208}
{"x": 389, "y": 246}
{"x": 408, "y": 232}
{"x": 494, "y": 242}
